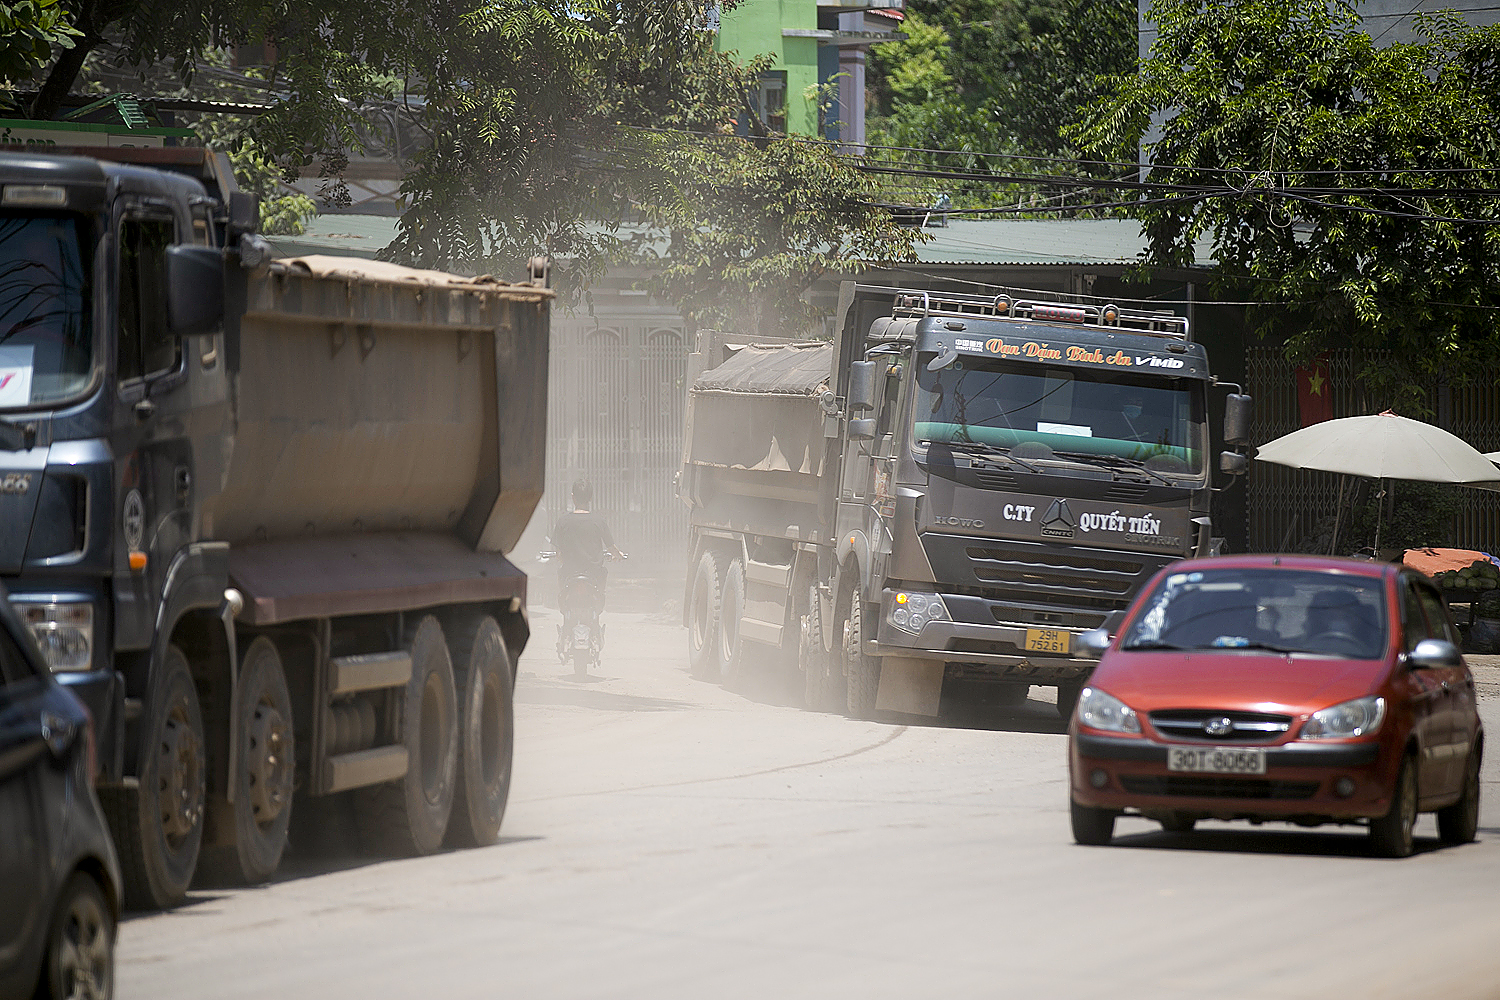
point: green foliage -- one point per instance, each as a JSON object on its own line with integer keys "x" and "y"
{"x": 1359, "y": 178}
{"x": 753, "y": 227}
{"x": 30, "y": 30}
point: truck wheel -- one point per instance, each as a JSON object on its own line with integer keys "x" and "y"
{"x": 158, "y": 825}
{"x": 410, "y": 815}
{"x": 813, "y": 660}
{"x": 265, "y": 771}
{"x": 732, "y": 606}
{"x": 863, "y": 671}
{"x": 486, "y": 732}
{"x": 703, "y": 616}
{"x": 80, "y": 959}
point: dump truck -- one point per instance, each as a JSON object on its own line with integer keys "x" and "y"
{"x": 944, "y": 496}
{"x": 256, "y": 513}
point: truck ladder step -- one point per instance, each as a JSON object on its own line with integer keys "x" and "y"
{"x": 368, "y": 671}
{"x": 365, "y": 767}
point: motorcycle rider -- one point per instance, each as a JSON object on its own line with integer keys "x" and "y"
{"x": 581, "y": 539}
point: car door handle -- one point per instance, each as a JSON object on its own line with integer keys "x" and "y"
{"x": 144, "y": 409}
{"x": 1446, "y": 685}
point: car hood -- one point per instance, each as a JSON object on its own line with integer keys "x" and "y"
{"x": 1252, "y": 681}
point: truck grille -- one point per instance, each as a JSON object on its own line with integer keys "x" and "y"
{"x": 1212, "y": 786}
{"x": 1055, "y": 577}
{"x": 1245, "y": 727}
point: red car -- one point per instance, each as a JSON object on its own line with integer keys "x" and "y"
{"x": 1293, "y": 688}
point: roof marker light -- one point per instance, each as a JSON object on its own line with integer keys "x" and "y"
{"x": 35, "y": 195}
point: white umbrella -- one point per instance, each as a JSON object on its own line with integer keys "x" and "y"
{"x": 1382, "y": 446}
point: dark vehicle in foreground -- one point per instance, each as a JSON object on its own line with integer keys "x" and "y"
{"x": 59, "y": 879}
{"x": 1305, "y": 690}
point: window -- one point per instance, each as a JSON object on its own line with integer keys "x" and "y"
{"x": 146, "y": 343}
{"x": 769, "y": 100}
{"x": 1416, "y": 621}
{"x": 1438, "y": 625}
{"x": 46, "y": 328}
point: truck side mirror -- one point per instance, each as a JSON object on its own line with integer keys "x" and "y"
{"x": 862, "y": 430}
{"x": 1233, "y": 463}
{"x": 1238, "y": 409}
{"x": 244, "y": 213}
{"x": 195, "y": 289}
{"x": 861, "y": 386}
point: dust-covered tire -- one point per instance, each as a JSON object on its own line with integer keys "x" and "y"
{"x": 158, "y": 825}
{"x": 486, "y": 734}
{"x": 862, "y": 671}
{"x": 731, "y": 645}
{"x": 818, "y": 689}
{"x": 410, "y": 815}
{"x": 265, "y": 772}
{"x": 703, "y": 616}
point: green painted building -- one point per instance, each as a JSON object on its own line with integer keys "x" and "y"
{"x": 816, "y": 85}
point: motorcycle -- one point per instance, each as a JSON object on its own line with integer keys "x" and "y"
{"x": 580, "y": 636}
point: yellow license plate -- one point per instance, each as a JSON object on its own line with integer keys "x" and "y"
{"x": 1047, "y": 640}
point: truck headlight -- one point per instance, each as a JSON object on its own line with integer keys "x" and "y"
{"x": 63, "y": 632}
{"x": 910, "y": 611}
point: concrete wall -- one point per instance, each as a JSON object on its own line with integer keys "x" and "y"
{"x": 757, "y": 27}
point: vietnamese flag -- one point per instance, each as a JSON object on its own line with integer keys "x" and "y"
{"x": 1314, "y": 394}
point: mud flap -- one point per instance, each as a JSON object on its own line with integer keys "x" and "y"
{"x": 909, "y": 685}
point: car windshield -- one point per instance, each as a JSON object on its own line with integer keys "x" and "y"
{"x": 1045, "y": 412}
{"x": 46, "y": 338}
{"x": 1290, "y": 611}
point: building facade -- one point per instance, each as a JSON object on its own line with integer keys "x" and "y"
{"x": 816, "y": 83}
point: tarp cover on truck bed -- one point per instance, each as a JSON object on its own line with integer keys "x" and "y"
{"x": 359, "y": 269}
{"x": 791, "y": 370}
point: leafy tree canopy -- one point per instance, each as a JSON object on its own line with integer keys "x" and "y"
{"x": 1350, "y": 187}
{"x": 30, "y": 32}
{"x": 518, "y": 106}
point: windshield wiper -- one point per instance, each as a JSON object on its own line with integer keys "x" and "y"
{"x": 1100, "y": 462}
{"x": 1155, "y": 644}
{"x": 1001, "y": 451}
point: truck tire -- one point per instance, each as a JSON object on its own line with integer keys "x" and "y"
{"x": 863, "y": 671}
{"x": 703, "y": 616}
{"x": 486, "y": 735}
{"x": 410, "y": 815}
{"x": 818, "y": 688}
{"x": 264, "y": 775}
{"x": 731, "y": 607}
{"x": 158, "y": 825}
{"x": 1067, "y": 698}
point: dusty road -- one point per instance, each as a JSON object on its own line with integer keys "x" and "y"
{"x": 668, "y": 839}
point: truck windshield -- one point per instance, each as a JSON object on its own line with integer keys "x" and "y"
{"x": 1044, "y": 412}
{"x": 46, "y": 338}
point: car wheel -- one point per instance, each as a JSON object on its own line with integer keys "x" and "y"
{"x": 1092, "y": 827}
{"x": 80, "y": 944}
{"x": 1458, "y": 823}
{"x": 1391, "y": 834}
{"x": 1177, "y": 823}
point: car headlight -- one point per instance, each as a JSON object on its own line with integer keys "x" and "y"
{"x": 1099, "y": 710}
{"x": 910, "y": 611}
{"x": 63, "y": 632}
{"x": 1360, "y": 717}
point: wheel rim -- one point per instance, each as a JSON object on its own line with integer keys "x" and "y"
{"x": 700, "y": 617}
{"x": 180, "y": 775}
{"x": 433, "y": 728}
{"x": 82, "y": 951}
{"x": 490, "y": 727}
{"x": 269, "y": 763}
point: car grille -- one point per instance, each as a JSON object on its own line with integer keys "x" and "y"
{"x": 1245, "y": 727}
{"x": 1213, "y": 786}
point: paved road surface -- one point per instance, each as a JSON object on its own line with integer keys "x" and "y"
{"x": 669, "y": 839}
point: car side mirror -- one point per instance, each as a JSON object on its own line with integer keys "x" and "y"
{"x": 1091, "y": 645}
{"x": 1434, "y": 654}
{"x": 195, "y": 289}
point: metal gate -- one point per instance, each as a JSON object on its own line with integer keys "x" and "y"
{"x": 615, "y": 419}
{"x": 1290, "y": 509}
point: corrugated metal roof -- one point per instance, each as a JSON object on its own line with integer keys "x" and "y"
{"x": 790, "y": 370}
{"x": 962, "y": 241}
{"x": 1042, "y": 241}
